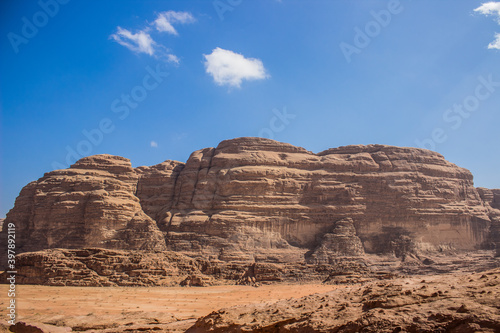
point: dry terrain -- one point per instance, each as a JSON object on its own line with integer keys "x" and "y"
{"x": 100, "y": 307}
{"x": 457, "y": 302}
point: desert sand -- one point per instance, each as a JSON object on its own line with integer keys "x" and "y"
{"x": 114, "y": 307}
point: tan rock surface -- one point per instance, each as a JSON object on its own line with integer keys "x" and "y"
{"x": 22, "y": 327}
{"x": 93, "y": 203}
{"x": 102, "y": 267}
{"x": 253, "y": 200}
{"x": 261, "y": 194}
{"x": 491, "y": 199}
{"x": 451, "y": 303}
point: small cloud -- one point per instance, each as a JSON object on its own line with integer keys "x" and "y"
{"x": 154, "y": 144}
{"x": 496, "y": 43}
{"x": 140, "y": 42}
{"x": 165, "y": 20}
{"x": 489, "y": 8}
{"x": 230, "y": 68}
{"x": 173, "y": 58}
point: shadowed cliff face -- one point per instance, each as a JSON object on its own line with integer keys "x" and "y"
{"x": 253, "y": 199}
{"x": 491, "y": 200}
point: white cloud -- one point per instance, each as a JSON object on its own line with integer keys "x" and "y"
{"x": 173, "y": 58}
{"x": 489, "y": 8}
{"x": 154, "y": 144}
{"x": 164, "y": 21}
{"x": 230, "y": 68}
{"x": 496, "y": 43}
{"x": 140, "y": 42}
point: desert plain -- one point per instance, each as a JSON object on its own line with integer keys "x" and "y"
{"x": 171, "y": 308}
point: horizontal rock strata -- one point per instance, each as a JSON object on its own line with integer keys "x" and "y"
{"x": 255, "y": 200}
{"x": 103, "y": 267}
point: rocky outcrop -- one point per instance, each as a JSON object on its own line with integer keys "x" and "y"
{"x": 490, "y": 196}
{"x": 258, "y": 200}
{"x": 156, "y": 188}
{"x": 342, "y": 241}
{"x": 102, "y": 267}
{"x": 451, "y": 303}
{"x": 491, "y": 199}
{"x": 92, "y": 203}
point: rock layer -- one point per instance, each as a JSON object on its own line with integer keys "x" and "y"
{"x": 261, "y": 194}
{"x": 253, "y": 199}
{"x": 101, "y": 267}
{"x": 341, "y": 241}
{"x": 92, "y": 203}
{"x": 491, "y": 199}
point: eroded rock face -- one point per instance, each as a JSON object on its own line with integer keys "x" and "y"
{"x": 296, "y": 196}
{"x": 92, "y": 203}
{"x": 491, "y": 199}
{"x": 341, "y": 241}
{"x": 99, "y": 267}
{"x": 254, "y": 199}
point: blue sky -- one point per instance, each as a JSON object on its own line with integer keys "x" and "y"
{"x": 317, "y": 74}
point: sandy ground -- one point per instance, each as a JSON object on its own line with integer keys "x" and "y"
{"x": 40, "y": 303}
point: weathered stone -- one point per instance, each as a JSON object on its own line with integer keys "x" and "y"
{"x": 450, "y": 303}
{"x": 491, "y": 200}
{"x": 92, "y": 203}
{"x": 342, "y": 241}
{"x": 293, "y": 197}
{"x": 254, "y": 199}
{"x": 23, "y": 327}
{"x": 103, "y": 267}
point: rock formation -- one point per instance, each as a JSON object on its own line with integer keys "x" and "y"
{"x": 255, "y": 200}
{"x": 437, "y": 304}
{"x": 341, "y": 241}
{"x": 91, "y": 204}
{"x": 98, "y": 267}
{"x": 491, "y": 199}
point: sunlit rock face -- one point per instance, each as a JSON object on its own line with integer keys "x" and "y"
{"x": 92, "y": 203}
{"x": 254, "y": 199}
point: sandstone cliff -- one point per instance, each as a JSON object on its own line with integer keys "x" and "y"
{"x": 491, "y": 199}
{"x": 92, "y": 203}
{"x": 253, "y": 199}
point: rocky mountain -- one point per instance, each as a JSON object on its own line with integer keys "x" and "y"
{"x": 93, "y": 203}
{"x": 254, "y": 199}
